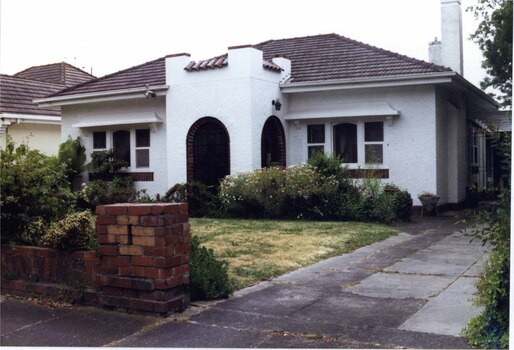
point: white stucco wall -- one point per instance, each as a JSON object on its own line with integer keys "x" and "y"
{"x": 452, "y": 148}
{"x": 43, "y": 137}
{"x": 409, "y": 143}
{"x": 239, "y": 95}
{"x": 126, "y": 110}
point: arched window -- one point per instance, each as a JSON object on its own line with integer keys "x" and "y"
{"x": 345, "y": 142}
{"x": 208, "y": 151}
{"x": 121, "y": 145}
{"x": 273, "y": 143}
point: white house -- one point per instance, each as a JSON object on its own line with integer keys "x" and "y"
{"x": 277, "y": 102}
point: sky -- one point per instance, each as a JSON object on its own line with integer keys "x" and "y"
{"x": 105, "y": 36}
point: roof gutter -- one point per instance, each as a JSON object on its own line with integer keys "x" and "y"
{"x": 371, "y": 82}
{"x": 158, "y": 90}
{"x": 394, "y": 81}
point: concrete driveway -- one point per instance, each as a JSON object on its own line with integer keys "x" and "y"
{"x": 411, "y": 290}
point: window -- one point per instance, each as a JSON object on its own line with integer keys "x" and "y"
{"x": 99, "y": 138}
{"x": 142, "y": 148}
{"x": 121, "y": 145}
{"x": 374, "y": 142}
{"x": 345, "y": 142}
{"x": 315, "y": 139}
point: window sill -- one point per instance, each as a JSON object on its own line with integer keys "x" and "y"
{"x": 137, "y": 176}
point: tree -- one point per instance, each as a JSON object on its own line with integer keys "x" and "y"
{"x": 494, "y": 37}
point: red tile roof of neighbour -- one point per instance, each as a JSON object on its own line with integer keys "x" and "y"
{"x": 16, "y": 95}
{"x": 332, "y": 57}
{"x": 313, "y": 58}
{"x": 58, "y": 73}
{"x": 150, "y": 73}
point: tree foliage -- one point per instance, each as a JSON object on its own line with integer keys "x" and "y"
{"x": 494, "y": 37}
{"x": 34, "y": 192}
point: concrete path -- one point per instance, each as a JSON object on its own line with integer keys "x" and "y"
{"x": 411, "y": 290}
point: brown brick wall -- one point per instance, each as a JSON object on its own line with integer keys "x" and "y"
{"x": 144, "y": 251}
{"x": 142, "y": 263}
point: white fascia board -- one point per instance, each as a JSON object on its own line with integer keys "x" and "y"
{"x": 112, "y": 95}
{"x": 362, "y": 83}
{"x": 354, "y": 110}
{"x": 31, "y": 118}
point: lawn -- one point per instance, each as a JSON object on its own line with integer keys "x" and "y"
{"x": 258, "y": 250}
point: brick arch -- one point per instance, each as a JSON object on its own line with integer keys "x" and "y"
{"x": 273, "y": 143}
{"x": 208, "y": 151}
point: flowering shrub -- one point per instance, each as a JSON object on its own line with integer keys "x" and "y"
{"x": 317, "y": 192}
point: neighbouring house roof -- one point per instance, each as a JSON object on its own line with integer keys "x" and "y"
{"x": 313, "y": 58}
{"x": 17, "y": 94}
{"x": 58, "y": 73}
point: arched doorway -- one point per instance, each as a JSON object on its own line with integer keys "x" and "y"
{"x": 208, "y": 151}
{"x": 273, "y": 143}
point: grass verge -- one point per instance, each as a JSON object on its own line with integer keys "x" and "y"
{"x": 258, "y": 250}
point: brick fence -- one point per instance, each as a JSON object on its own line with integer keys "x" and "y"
{"x": 141, "y": 264}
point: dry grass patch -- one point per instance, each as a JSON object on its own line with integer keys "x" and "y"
{"x": 258, "y": 250}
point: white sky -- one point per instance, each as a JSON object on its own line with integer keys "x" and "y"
{"x": 110, "y": 35}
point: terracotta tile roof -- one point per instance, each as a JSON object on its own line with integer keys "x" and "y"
{"x": 149, "y": 73}
{"x": 331, "y": 56}
{"x": 59, "y": 73}
{"x": 313, "y": 58}
{"x": 211, "y": 63}
{"x": 222, "y": 61}
{"x": 16, "y": 95}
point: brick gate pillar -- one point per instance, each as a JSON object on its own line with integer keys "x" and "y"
{"x": 144, "y": 256}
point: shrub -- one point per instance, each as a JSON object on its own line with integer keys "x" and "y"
{"x": 208, "y": 276}
{"x": 99, "y": 192}
{"x": 491, "y": 328}
{"x": 34, "y": 192}
{"x": 76, "y": 231}
{"x": 256, "y": 194}
{"x": 402, "y": 205}
{"x": 199, "y": 199}
{"x": 73, "y": 154}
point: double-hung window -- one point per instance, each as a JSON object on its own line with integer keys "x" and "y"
{"x": 315, "y": 139}
{"x": 142, "y": 148}
{"x": 374, "y": 142}
{"x": 99, "y": 140}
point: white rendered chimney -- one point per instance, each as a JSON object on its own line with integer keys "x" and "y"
{"x": 451, "y": 35}
{"x": 434, "y": 52}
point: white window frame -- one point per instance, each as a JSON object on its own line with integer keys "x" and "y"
{"x": 317, "y": 144}
{"x": 142, "y": 148}
{"x": 372, "y": 142}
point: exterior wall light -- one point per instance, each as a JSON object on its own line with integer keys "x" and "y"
{"x": 277, "y": 104}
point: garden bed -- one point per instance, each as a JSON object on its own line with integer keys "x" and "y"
{"x": 258, "y": 250}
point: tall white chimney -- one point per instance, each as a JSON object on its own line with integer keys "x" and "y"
{"x": 451, "y": 35}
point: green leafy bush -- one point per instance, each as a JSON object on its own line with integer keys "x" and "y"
{"x": 199, "y": 199}
{"x": 73, "y": 155}
{"x": 110, "y": 185}
{"x": 76, "y": 231}
{"x": 99, "y": 192}
{"x": 34, "y": 192}
{"x": 208, "y": 276}
{"x": 491, "y": 328}
{"x": 319, "y": 190}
